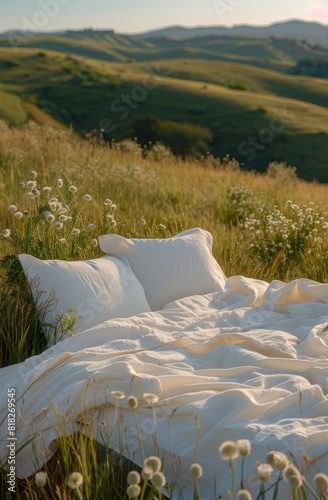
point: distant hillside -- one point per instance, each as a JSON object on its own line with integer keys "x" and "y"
{"x": 313, "y": 33}
{"x": 273, "y": 53}
{"x": 254, "y": 114}
{"x": 318, "y": 68}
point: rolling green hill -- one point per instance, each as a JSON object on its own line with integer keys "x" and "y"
{"x": 276, "y": 117}
{"x": 267, "y": 52}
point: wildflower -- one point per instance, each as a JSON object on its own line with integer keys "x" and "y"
{"x": 277, "y": 459}
{"x": 162, "y": 226}
{"x": 133, "y": 491}
{"x": 75, "y": 480}
{"x": 108, "y": 202}
{"x": 109, "y": 218}
{"x": 243, "y": 495}
{"x": 59, "y": 225}
{"x": 118, "y": 394}
{"x": 40, "y": 479}
{"x": 6, "y": 233}
{"x": 94, "y": 243}
{"x": 229, "y": 450}
{"x": 21, "y": 185}
{"x": 33, "y": 174}
{"x": 264, "y": 471}
{"x": 87, "y": 197}
{"x": 36, "y": 192}
{"x": 244, "y": 447}
{"x": 76, "y": 231}
{"x": 30, "y": 195}
{"x": 196, "y": 471}
{"x": 142, "y": 222}
{"x": 158, "y": 480}
{"x": 321, "y": 483}
{"x": 60, "y": 183}
{"x": 50, "y": 218}
{"x": 72, "y": 189}
{"x": 154, "y": 463}
{"x": 147, "y": 473}
{"x": 133, "y": 477}
{"x": 293, "y": 477}
{"x": 150, "y": 398}
{"x": 92, "y": 227}
{"x": 132, "y": 402}
{"x": 62, "y": 218}
{"x": 46, "y": 190}
{"x": 113, "y": 223}
{"x": 13, "y": 208}
{"x": 31, "y": 184}
{"x": 18, "y": 215}
{"x": 62, "y": 240}
{"x": 113, "y": 207}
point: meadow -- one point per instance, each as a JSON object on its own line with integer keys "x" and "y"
{"x": 59, "y": 193}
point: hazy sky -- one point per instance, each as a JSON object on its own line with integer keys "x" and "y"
{"x": 133, "y": 16}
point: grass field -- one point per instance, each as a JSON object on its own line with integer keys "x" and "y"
{"x": 155, "y": 195}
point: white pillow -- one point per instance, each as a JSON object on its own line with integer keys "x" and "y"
{"x": 99, "y": 289}
{"x": 170, "y": 269}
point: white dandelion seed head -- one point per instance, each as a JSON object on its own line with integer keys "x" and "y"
{"x": 290, "y": 470}
{"x": 113, "y": 223}
{"x": 73, "y": 189}
{"x": 264, "y": 471}
{"x": 228, "y": 450}
{"x": 142, "y": 222}
{"x": 59, "y": 183}
{"x": 133, "y": 477}
{"x": 113, "y": 207}
{"x": 75, "y": 231}
{"x": 50, "y": 218}
{"x": 147, "y": 473}
{"x": 154, "y": 463}
{"x": 6, "y": 233}
{"x": 59, "y": 225}
{"x": 108, "y": 202}
{"x": 30, "y": 195}
{"x": 18, "y": 215}
{"x": 243, "y": 495}
{"x": 21, "y": 185}
{"x": 132, "y": 402}
{"x": 94, "y": 243}
{"x": 75, "y": 480}
{"x": 62, "y": 218}
{"x": 87, "y": 197}
{"x": 133, "y": 491}
{"x": 31, "y": 184}
{"x": 196, "y": 471}
{"x": 33, "y": 174}
{"x": 150, "y": 398}
{"x": 41, "y": 479}
{"x": 36, "y": 192}
{"x": 244, "y": 446}
{"x": 158, "y": 480}
{"x": 13, "y": 208}
{"x": 321, "y": 483}
{"x": 46, "y": 190}
{"x": 62, "y": 240}
{"x": 92, "y": 227}
{"x": 118, "y": 394}
{"x": 277, "y": 459}
{"x": 162, "y": 226}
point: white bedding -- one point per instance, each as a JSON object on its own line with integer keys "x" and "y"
{"x": 251, "y": 362}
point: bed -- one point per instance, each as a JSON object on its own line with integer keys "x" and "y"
{"x": 235, "y": 358}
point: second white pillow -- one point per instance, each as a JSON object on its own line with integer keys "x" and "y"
{"x": 170, "y": 269}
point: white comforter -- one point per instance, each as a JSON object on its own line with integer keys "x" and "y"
{"x": 246, "y": 363}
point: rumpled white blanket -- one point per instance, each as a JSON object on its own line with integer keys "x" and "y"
{"x": 246, "y": 363}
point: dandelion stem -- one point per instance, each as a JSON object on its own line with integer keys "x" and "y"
{"x": 242, "y": 473}
{"x": 233, "y": 477}
{"x": 275, "y": 493}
